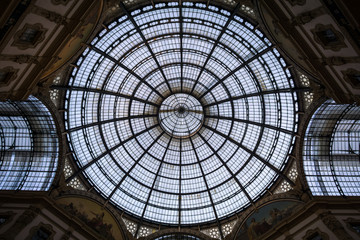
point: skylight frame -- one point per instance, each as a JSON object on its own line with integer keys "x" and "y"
{"x": 272, "y": 72}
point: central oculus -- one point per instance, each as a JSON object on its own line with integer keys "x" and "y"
{"x": 181, "y": 115}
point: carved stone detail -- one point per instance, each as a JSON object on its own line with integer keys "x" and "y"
{"x": 62, "y": 2}
{"x": 22, "y": 221}
{"x": 20, "y": 58}
{"x": 297, "y": 2}
{"x": 11, "y": 74}
{"x": 310, "y": 234}
{"x": 352, "y": 76}
{"x": 66, "y": 236}
{"x": 9, "y": 215}
{"x": 22, "y": 44}
{"x": 47, "y": 227}
{"x": 300, "y": 192}
{"x": 338, "y": 61}
{"x": 350, "y": 221}
{"x": 51, "y": 16}
{"x": 334, "y": 225}
{"x": 307, "y": 17}
{"x": 289, "y": 237}
{"x": 328, "y": 37}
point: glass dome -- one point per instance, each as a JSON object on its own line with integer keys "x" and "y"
{"x": 181, "y": 115}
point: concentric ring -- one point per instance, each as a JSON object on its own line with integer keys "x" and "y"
{"x": 123, "y": 108}
{"x": 181, "y": 115}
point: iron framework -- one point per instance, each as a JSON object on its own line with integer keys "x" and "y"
{"x": 179, "y": 174}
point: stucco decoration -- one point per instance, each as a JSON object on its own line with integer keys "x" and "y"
{"x": 328, "y": 37}
{"x": 334, "y": 225}
{"x": 29, "y": 36}
{"x": 354, "y": 225}
{"x": 352, "y": 76}
{"x": 297, "y": 2}
{"x": 315, "y": 234}
{"x": 62, "y": 2}
{"x": 41, "y": 231}
{"x": 7, "y": 75}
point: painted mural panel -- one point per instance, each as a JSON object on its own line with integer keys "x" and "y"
{"x": 93, "y": 215}
{"x": 268, "y": 216}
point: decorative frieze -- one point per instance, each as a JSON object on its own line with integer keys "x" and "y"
{"x": 334, "y": 225}
{"x": 308, "y": 16}
{"x": 20, "y": 58}
{"x": 50, "y": 15}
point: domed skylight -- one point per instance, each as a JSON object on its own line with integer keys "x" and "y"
{"x": 181, "y": 115}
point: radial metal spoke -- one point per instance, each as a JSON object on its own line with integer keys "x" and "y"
{"x": 224, "y": 28}
{"x": 235, "y": 70}
{"x": 132, "y": 20}
{"x": 180, "y": 196}
{"x": 252, "y": 153}
{"x": 185, "y": 64}
{"x": 105, "y": 92}
{"x": 275, "y": 91}
{"x": 207, "y": 187}
{"x": 155, "y": 179}
{"x": 227, "y": 168}
{"x": 181, "y": 46}
{"x": 126, "y": 68}
{"x": 133, "y": 166}
{"x": 108, "y": 151}
{"x": 110, "y": 121}
{"x": 252, "y": 123}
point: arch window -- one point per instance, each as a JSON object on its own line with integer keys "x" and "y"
{"x": 331, "y": 150}
{"x": 29, "y": 146}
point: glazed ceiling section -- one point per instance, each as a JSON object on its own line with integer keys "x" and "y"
{"x": 239, "y": 78}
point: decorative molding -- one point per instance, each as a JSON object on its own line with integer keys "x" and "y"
{"x": 352, "y": 76}
{"x": 8, "y": 75}
{"x": 21, "y": 39}
{"x": 328, "y": 37}
{"x": 9, "y": 215}
{"x": 20, "y": 58}
{"x": 339, "y": 15}
{"x": 297, "y": 2}
{"x": 289, "y": 237}
{"x": 58, "y": 2}
{"x": 334, "y": 225}
{"x": 50, "y": 15}
{"x": 176, "y": 231}
{"x": 45, "y": 228}
{"x": 338, "y": 61}
{"x": 308, "y": 16}
{"x": 14, "y": 17}
{"x": 314, "y": 233}
{"x": 21, "y": 222}
{"x": 349, "y": 223}
{"x": 66, "y": 236}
